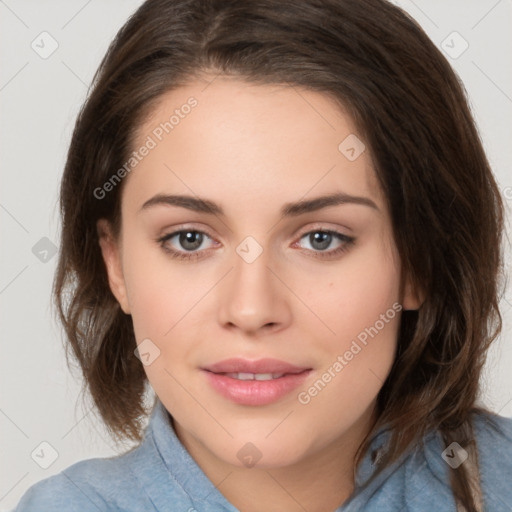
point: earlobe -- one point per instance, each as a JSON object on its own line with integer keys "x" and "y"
{"x": 111, "y": 257}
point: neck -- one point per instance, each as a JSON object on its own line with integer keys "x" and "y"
{"x": 319, "y": 482}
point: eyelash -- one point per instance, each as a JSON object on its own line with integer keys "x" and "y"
{"x": 191, "y": 256}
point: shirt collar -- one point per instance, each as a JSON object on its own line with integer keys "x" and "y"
{"x": 183, "y": 470}
{"x": 163, "y": 465}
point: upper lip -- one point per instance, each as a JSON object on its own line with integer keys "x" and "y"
{"x": 267, "y": 365}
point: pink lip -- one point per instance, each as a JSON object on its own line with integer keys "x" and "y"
{"x": 255, "y": 392}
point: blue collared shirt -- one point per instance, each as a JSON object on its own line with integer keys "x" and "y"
{"x": 160, "y": 475}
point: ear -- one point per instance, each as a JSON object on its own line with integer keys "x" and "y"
{"x": 112, "y": 258}
{"x": 413, "y": 296}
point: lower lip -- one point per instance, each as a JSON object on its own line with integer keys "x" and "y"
{"x": 255, "y": 392}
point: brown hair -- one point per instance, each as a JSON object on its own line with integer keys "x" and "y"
{"x": 411, "y": 110}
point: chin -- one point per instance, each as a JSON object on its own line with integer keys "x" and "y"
{"x": 262, "y": 453}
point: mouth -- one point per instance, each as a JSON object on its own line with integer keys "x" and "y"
{"x": 258, "y": 382}
{"x": 254, "y": 376}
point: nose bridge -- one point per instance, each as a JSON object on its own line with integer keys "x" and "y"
{"x": 251, "y": 296}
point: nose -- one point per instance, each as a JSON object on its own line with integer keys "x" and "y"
{"x": 253, "y": 298}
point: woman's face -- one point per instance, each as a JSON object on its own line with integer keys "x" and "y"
{"x": 261, "y": 280}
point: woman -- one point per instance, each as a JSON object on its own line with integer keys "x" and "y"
{"x": 279, "y": 215}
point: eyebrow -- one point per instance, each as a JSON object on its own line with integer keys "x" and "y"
{"x": 288, "y": 210}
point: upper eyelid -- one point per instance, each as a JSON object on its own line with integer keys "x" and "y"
{"x": 206, "y": 232}
{"x": 318, "y": 226}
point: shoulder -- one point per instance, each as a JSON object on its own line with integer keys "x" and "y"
{"x": 89, "y": 485}
{"x": 491, "y": 428}
{"x": 427, "y": 469}
{"x": 493, "y": 435}
{"x": 67, "y": 490}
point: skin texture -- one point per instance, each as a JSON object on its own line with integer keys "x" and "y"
{"x": 253, "y": 148}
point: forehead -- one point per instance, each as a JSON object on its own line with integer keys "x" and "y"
{"x": 247, "y": 143}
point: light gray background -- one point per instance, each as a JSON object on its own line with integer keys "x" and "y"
{"x": 40, "y": 99}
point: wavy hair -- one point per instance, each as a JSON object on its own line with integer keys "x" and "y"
{"x": 411, "y": 109}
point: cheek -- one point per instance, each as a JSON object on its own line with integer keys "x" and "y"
{"x": 362, "y": 310}
{"x": 156, "y": 292}
{"x": 353, "y": 297}
{"x": 162, "y": 303}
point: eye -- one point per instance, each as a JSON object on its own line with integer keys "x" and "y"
{"x": 322, "y": 239}
{"x": 190, "y": 240}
